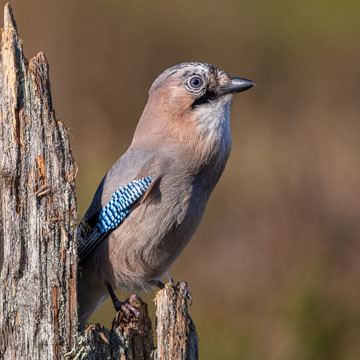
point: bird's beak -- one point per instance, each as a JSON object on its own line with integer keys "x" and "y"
{"x": 236, "y": 85}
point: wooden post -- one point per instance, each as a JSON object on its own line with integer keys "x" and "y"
{"x": 38, "y": 306}
{"x": 176, "y": 334}
{"x": 38, "y": 223}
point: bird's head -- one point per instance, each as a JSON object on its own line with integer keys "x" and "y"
{"x": 190, "y": 85}
{"x": 192, "y": 101}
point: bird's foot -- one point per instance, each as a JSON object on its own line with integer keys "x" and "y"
{"x": 182, "y": 284}
{"x": 159, "y": 284}
{"x": 127, "y": 306}
{"x": 187, "y": 294}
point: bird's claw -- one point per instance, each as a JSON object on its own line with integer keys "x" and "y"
{"x": 159, "y": 284}
{"x": 129, "y": 310}
{"x": 127, "y": 306}
{"x": 187, "y": 294}
{"x": 189, "y": 297}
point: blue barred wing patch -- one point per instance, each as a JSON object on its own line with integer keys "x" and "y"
{"x": 113, "y": 213}
{"x": 118, "y": 207}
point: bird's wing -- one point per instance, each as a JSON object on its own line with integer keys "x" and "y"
{"x": 112, "y": 214}
{"x": 126, "y": 184}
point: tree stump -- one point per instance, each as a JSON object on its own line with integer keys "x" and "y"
{"x": 37, "y": 211}
{"x": 176, "y": 334}
{"x": 38, "y": 224}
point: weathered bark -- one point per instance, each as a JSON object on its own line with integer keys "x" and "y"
{"x": 38, "y": 259}
{"x": 37, "y": 211}
{"x": 129, "y": 339}
{"x": 176, "y": 334}
{"x": 133, "y": 340}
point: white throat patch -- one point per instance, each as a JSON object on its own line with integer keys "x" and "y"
{"x": 213, "y": 120}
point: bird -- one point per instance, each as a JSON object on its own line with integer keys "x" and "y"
{"x": 149, "y": 204}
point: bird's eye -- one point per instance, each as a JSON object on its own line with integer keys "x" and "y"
{"x": 196, "y": 82}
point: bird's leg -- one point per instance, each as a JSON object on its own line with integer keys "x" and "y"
{"x": 171, "y": 280}
{"x": 124, "y": 306}
{"x": 159, "y": 284}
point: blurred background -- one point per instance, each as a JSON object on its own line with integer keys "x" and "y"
{"x": 274, "y": 268}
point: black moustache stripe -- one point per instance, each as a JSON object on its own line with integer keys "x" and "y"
{"x": 206, "y": 98}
